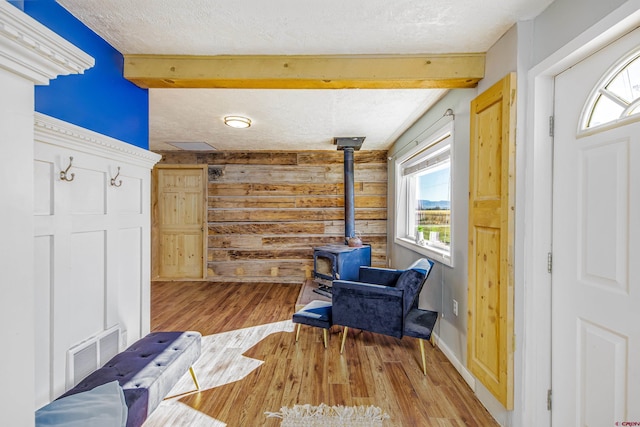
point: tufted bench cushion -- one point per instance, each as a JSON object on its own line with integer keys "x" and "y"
{"x": 317, "y": 313}
{"x": 147, "y": 371}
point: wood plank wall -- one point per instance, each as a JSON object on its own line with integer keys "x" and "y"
{"x": 267, "y": 210}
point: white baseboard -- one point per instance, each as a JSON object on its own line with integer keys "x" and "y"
{"x": 466, "y": 375}
{"x": 485, "y": 398}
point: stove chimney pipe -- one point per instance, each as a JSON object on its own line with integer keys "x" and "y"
{"x": 349, "y": 197}
{"x": 349, "y": 145}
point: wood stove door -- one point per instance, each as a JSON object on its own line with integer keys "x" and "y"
{"x": 325, "y": 265}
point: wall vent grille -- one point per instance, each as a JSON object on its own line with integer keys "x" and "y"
{"x": 89, "y": 355}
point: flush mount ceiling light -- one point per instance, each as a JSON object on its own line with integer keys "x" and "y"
{"x": 237, "y": 122}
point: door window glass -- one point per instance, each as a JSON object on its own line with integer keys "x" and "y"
{"x": 616, "y": 97}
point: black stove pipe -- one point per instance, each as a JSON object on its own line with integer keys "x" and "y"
{"x": 349, "y": 198}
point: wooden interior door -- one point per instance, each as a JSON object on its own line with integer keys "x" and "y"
{"x": 491, "y": 234}
{"x": 179, "y": 222}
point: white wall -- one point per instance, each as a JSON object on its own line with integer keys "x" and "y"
{"x": 520, "y": 50}
{"x": 16, "y": 251}
{"x": 502, "y": 59}
{"x": 31, "y": 308}
{"x": 445, "y": 283}
{"x": 563, "y": 20}
{"x": 511, "y": 53}
{"x": 567, "y": 31}
{"x": 92, "y": 247}
{"x": 31, "y": 54}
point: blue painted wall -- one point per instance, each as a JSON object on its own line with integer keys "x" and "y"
{"x": 100, "y": 99}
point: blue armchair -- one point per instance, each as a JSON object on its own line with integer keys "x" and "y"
{"x": 385, "y": 301}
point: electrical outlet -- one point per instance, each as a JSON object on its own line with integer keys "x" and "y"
{"x": 455, "y": 307}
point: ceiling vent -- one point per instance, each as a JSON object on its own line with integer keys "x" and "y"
{"x": 192, "y": 146}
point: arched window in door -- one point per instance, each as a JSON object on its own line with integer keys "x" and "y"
{"x": 616, "y": 97}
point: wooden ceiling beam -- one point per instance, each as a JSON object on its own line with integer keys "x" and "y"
{"x": 445, "y": 71}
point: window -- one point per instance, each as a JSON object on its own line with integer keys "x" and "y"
{"x": 423, "y": 196}
{"x": 616, "y": 97}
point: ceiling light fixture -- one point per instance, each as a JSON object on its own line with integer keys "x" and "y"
{"x": 237, "y": 122}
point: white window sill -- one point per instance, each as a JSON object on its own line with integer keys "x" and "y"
{"x": 432, "y": 252}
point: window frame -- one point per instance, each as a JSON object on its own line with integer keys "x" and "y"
{"x": 425, "y": 146}
{"x": 599, "y": 90}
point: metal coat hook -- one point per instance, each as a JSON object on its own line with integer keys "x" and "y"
{"x": 64, "y": 175}
{"x": 113, "y": 180}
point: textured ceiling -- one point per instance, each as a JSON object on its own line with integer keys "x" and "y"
{"x": 308, "y": 119}
{"x": 295, "y": 119}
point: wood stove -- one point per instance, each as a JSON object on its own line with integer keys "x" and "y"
{"x": 333, "y": 262}
{"x": 343, "y": 262}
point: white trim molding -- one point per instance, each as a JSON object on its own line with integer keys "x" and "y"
{"x": 31, "y": 50}
{"x": 50, "y": 130}
{"x": 449, "y": 354}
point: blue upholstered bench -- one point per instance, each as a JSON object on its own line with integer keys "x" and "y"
{"x": 317, "y": 313}
{"x": 147, "y": 371}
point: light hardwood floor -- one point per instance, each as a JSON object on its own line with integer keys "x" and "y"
{"x": 251, "y": 364}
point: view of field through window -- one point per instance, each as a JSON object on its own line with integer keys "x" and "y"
{"x": 433, "y": 207}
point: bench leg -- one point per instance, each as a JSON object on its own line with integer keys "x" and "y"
{"x": 324, "y": 337}
{"x": 424, "y": 362}
{"x": 344, "y": 338}
{"x": 298, "y": 332}
{"x": 195, "y": 379}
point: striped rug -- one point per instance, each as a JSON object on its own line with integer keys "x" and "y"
{"x": 330, "y": 416}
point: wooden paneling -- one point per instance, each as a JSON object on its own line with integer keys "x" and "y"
{"x": 327, "y": 214}
{"x": 491, "y": 235}
{"x": 267, "y": 210}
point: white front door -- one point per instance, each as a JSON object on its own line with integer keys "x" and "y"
{"x": 596, "y": 256}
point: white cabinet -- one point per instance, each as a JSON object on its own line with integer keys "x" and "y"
{"x": 92, "y": 243}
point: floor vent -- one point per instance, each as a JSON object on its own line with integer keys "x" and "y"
{"x": 91, "y": 354}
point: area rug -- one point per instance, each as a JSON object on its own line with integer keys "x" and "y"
{"x": 330, "y": 416}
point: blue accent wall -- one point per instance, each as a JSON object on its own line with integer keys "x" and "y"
{"x": 101, "y": 99}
